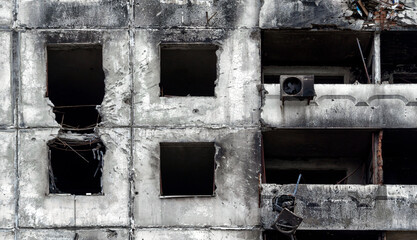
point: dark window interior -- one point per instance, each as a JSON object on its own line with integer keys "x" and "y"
{"x": 76, "y": 166}
{"x": 405, "y": 78}
{"x": 320, "y": 48}
{"x": 287, "y": 153}
{"x": 399, "y": 156}
{"x": 324, "y": 235}
{"x": 399, "y": 56}
{"x": 274, "y": 79}
{"x": 76, "y": 85}
{"x": 187, "y": 169}
{"x": 398, "y": 48}
{"x": 290, "y": 176}
{"x": 329, "y": 79}
{"x": 188, "y": 71}
{"x": 271, "y": 79}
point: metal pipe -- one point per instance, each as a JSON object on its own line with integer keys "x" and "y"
{"x": 363, "y": 60}
{"x": 296, "y": 186}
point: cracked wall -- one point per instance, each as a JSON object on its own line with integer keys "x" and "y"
{"x": 135, "y": 118}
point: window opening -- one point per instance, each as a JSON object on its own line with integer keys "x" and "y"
{"x": 399, "y": 158}
{"x": 76, "y": 85}
{"x": 399, "y": 57}
{"x": 76, "y": 165}
{"x": 187, "y": 169}
{"x": 188, "y": 70}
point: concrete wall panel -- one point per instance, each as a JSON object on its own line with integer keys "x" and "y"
{"x": 7, "y": 235}
{"x": 236, "y": 177}
{"x": 6, "y": 13}
{"x": 36, "y": 109}
{"x": 38, "y": 208}
{"x": 6, "y": 96}
{"x": 62, "y": 234}
{"x": 186, "y": 234}
{"x": 7, "y": 178}
{"x": 305, "y": 14}
{"x": 237, "y": 99}
{"x": 73, "y": 13}
{"x": 111, "y": 209}
{"x": 220, "y": 14}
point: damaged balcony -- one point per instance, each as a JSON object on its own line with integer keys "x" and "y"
{"x": 350, "y": 179}
{"x": 344, "y": 69}
{"x": 347, "y": 207}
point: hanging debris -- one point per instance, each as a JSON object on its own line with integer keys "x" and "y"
{"x": 76, "y": 164}
{"x": 286, "y": 221}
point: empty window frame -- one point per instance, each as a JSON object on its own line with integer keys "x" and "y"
{"x": 321, "y": 156}
{"x": 187, "y": 169}
{"x": 324, "y": 235}
{"x": 399, "y": 156}
{"x": 188, "y": 70}
{"x": 282, "y": 48}
{"x": 76, "y": 166}
{"x": 322, "y": 75}
{"x": 399, "y": 57}
{"x": 75, "y": 84}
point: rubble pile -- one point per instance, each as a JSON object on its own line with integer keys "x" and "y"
{"x": 377, "y": 13}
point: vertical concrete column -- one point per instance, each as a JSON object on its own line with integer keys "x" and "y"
{"x": 376, "y": 66}
{"x": 377, "y": 162}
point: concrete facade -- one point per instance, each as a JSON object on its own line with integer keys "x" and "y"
{"x": 135, "y": 119}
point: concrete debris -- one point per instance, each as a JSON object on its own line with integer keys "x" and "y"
{"x": 383, "y": 13}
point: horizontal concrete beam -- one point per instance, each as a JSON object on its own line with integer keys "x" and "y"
{"x": 347, "y": 207}
{"x": 344, "y": 106}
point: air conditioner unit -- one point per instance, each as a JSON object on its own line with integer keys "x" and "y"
{"x": 297, "y": 87}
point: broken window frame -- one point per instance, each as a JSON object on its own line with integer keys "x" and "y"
{"x": 188, "y": 46}
{"x": 72, "y": 46}
{"x": 69, "y": 143}
{"x": 322, "y": 71}
{"x": 215, "y": 157}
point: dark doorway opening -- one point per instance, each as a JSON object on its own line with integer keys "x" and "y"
{"x": 76, "y": 85}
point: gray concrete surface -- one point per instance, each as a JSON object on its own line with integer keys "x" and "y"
{"x": 236, "y": 196}
{"x": 344, "y": 106}
{"x": 135, "y": 119}
{"x": 6, "y": 93}
{"x": 347, "y": 207}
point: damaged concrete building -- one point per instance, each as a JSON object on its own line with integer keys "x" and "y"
{"x": 208, "y": 119}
